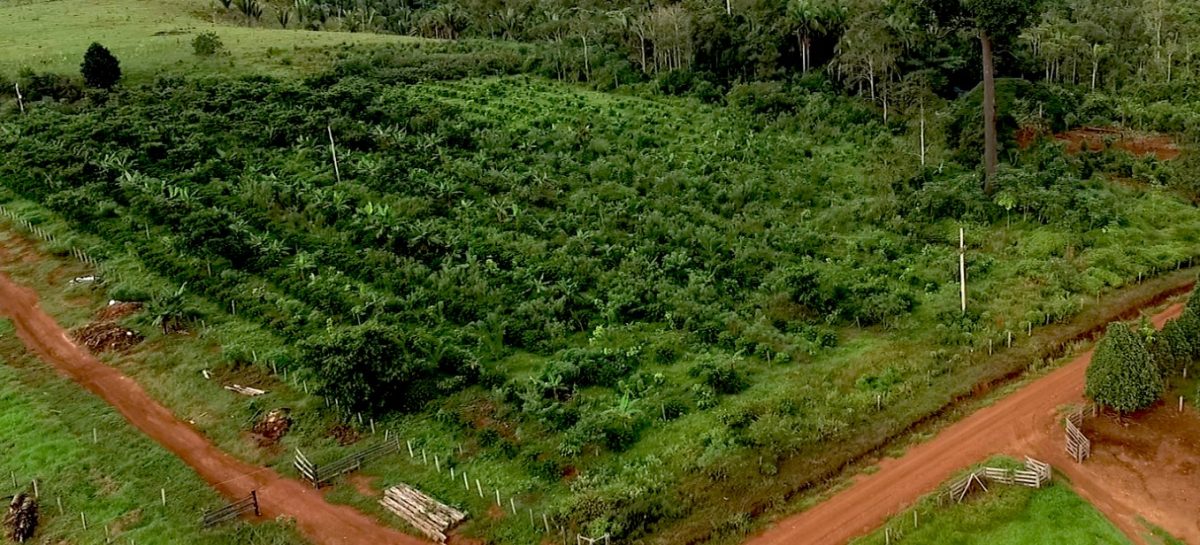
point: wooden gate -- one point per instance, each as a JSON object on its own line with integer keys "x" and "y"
{"x": 1078, "y": 445}
{"x": 318, "y": 475}
{"x": 232, "y": 511}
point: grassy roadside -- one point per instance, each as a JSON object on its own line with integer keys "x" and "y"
{"x": 46, "y": 424}
{"x": 1002, "y": 516}
{"x": 1031, "y": 357}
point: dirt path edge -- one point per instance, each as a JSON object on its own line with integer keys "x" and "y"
{"x": 319, "y": 521}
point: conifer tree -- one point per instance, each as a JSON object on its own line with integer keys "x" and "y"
{"x": 1122, "y": 374}
{"x": 101, "y": 70}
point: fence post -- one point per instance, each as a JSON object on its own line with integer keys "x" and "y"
{"x": 254, "y": 497}
{"x": 163, "y": 493}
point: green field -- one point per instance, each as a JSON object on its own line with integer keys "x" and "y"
{"x": 1006, "y": 515}
{"x": 151, "y": 36}
{"x": 616, "y": 306}
{"x": 46, "y": 425}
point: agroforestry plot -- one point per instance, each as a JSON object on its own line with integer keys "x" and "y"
{"x": 620, "y": 300}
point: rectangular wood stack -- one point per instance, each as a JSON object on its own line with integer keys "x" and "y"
{"x": 424, "y": 513}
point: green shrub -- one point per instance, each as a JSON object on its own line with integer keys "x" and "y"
{"x": 100, "y": 69}
{"x": 722, "y": 377}
{"x": 207, "y": 44}
{"x": 1173, "y": 347}
{"x": 58, "y": 87}
{"x": 1122, "y": 374}
{"x": 765, "y": 98}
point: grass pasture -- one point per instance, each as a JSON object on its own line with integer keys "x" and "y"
{"x": 759, "y": 300}
{"x": 1006, "y": 515}
{"x": 652, "y": 162}
{"x": 151, "y": 36}
{"x": 46, "y": 424}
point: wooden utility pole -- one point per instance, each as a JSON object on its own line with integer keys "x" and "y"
{"x": 333, "y": 151}
{"x": 962, "y": 267}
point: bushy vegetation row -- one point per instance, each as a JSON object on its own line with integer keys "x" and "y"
{"x": 590, "y": 266}
{"x": 1130, "y": 369}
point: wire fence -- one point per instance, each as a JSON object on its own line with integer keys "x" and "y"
{"x": 540, "y": 521}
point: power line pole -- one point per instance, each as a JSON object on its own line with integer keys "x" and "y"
{"x": 333, "y": 151}
{"x": 962, "y": 267}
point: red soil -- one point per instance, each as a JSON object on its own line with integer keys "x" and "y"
{"x": 1145, "y": 466}
{"x": 1024, "y": 423}
{"x": 321, "y": 522}
{"x": 1160, "y": 146}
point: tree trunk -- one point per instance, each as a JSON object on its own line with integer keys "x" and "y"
{"x": 871, "y": 77}
{"x": 587, "y": 66}
{"x": 922, "y": 132}
{"x": 991, "y": 152}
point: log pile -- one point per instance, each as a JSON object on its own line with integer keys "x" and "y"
{"x": 22, "y": 518}
{"x": 245, "y": 390}
{"x": 424, "y": 513}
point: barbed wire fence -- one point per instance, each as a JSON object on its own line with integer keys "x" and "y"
{"x": 443, "y": 462}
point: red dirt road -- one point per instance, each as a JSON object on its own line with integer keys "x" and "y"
{"x": 1024, "y": 423}
{"x": 321, "y": 522}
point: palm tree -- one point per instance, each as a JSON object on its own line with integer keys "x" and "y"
{"x": 170, "y": 310}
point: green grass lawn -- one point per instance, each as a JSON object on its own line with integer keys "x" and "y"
{"x": 46, "y": 424}
{"x": 1005, "y": 515}
{"x": 149, "y": 36}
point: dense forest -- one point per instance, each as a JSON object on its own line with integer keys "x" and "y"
{"x": 887, "y": 49}
{"x": 678, "y": 250}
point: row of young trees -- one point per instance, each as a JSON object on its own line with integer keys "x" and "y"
{"x": 1130, "y": 367}
{"x": 893, "y": 52}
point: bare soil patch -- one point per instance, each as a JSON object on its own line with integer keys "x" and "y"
{"x": 1145, "y": 465}
{"x": 101, "y": 337}
{"x": 363, "y": 484}
{"x": 1095, "y": 139}
{"x": 273, "y": 426}
{"x": 344, "y": 434}
{"x": 117, "y": 310}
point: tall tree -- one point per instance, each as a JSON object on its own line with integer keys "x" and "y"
{"x": 810, "y": 18}
{"x": 1122, "y": 374}
{"x": 100, "y": 69}
{"x": 991, "y": 20}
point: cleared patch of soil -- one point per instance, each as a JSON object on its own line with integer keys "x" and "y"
{"x": 1145, "y": 466}
{"x": 344, "y": 434}
{"x": 101, "y": 337}
{"x": 272, "y": 427}
{"x": 1094, "y": 139}
{"x": 363, "y": 484}
{"x": 117, "y": 310}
